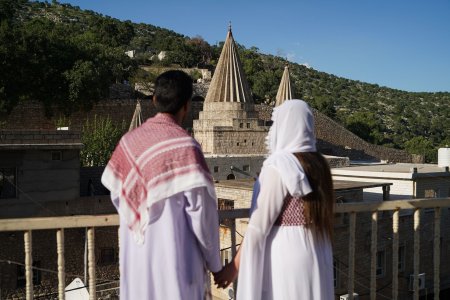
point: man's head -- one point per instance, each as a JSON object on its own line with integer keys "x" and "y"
{"x": 173, "y": 90}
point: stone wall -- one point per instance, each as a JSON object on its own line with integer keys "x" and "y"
{"x": 333, "y": 139}
{"x": 40, "y": 137}
{"x": 31, "y": 115}
{"x": 341, "y": 142}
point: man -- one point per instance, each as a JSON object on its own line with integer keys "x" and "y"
{"x": 164, "y": 193}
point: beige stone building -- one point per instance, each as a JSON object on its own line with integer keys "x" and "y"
{"x": 229, "y": 123}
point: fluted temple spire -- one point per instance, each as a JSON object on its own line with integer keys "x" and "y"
{"x": 285, "y": 90}
{"x": 229, "y": 83}
{"x": 136, "y": 121}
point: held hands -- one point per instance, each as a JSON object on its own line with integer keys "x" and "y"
{"x": 226, "y": 276}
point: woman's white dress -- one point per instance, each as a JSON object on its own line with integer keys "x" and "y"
{"x": 281, "y": 262}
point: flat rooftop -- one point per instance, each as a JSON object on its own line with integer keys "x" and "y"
{"x": 399, "y": 170}
{"x": 39, "y": 139}
{"x": 339, "y": 185}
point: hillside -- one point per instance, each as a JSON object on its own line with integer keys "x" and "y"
{"x": 68, "y": 57}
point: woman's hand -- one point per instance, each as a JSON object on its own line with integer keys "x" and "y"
{"x": 226, "y": 276}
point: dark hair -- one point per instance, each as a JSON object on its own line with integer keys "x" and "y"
{"x": 173, "y": 89}
{"x": 319, "y": 204}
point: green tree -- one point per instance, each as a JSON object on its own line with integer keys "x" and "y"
{"x": 366, "y": 126}
{"x": 422, "y": 146}
{"x": 100, "y": 137}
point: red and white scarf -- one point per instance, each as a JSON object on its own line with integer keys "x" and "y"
{"x": 154, "y": 162}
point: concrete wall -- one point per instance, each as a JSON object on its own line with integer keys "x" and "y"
{"x": 404, "y": 188}
{"x": 400, "y": 189}
{"x": 440, "y": 185}
{"x": 220, "y": 166}
{"x": 40, "y": 179}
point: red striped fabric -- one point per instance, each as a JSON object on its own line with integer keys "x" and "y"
{"x": 153, "y": 162}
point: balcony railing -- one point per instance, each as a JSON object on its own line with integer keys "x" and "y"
{"x": 28, "y": 225}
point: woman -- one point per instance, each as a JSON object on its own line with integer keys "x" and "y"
{"x": 287, "y": 253}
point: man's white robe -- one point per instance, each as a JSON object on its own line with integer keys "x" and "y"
{"x": 181, "y": 242}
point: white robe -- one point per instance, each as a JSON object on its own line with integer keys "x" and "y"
{"x": 181, "y": 242}
{"x": 282, "y": 262}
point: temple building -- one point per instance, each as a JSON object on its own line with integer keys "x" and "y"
{"x": 229, "y": 123}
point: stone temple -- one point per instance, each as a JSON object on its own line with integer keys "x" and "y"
{"x": 228, "y": 129}
{"x": 229, "y": 123}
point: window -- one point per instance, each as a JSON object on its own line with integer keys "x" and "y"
{"x": 224, "y": 204}
{"x": 248, "y": 125}
{"x": 106, "y": 256}
{"x": 401, "y": 258}
{"x": 241, "y": 125}
{"x": 430, "y": 193}
{"x": 245, "y": 141}
{"x": 36, "y": 275}
{"x": 246, "y": 168}
{"x": 8, "y": 183}
{"x": 57, "y": 155}
{"x": 237, "y": 144}
{"x": 216, "y": 169}
{"x": 380, "y": 263}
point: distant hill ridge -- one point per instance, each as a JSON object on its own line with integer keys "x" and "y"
{"x": 418, "y": 122}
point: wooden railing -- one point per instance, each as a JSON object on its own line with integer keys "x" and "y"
{"x": 395, "y": 206}
{"x": 28, "y": 225}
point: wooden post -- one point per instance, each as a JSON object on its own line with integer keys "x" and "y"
{"x": 395, "y": 254}
{"x": 28, "y": 265}
{"x": 373, "y": 257}
{"x": 233, "y": 248}
{"x": 91, "y": 263}
{"x": 416, "y": 253}
{"x": 351, "y": 256}
{"x": 61, "y": 264}
{"x": 437, "y": 251}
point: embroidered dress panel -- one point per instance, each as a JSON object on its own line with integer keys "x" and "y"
{"x": 292, "y": 213}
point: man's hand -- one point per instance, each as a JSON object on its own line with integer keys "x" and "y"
{"x": 226, "y": 276}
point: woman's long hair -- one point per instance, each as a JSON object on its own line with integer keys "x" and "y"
{"x": 319, "y": 204}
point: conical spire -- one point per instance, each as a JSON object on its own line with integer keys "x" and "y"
{"x": 136, "y": 121}
{"x": 284, "y": 91}
{"x": 229, "y": 83}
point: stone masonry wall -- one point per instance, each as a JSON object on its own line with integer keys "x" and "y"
{"x": 333, "y": 139}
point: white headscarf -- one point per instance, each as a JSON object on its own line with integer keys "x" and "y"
{"x": 292, "y": 131}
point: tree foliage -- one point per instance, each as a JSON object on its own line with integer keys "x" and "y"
{"x": 67, "y": 57}
{"x": 422, "y": 146}
{"x": 60, "y": 64}
{"x": 100, "y": 137}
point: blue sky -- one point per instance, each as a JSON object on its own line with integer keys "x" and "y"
{"x": 398, "y": 43}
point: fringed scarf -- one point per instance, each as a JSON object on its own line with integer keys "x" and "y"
{"x": 151, "y": 163}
